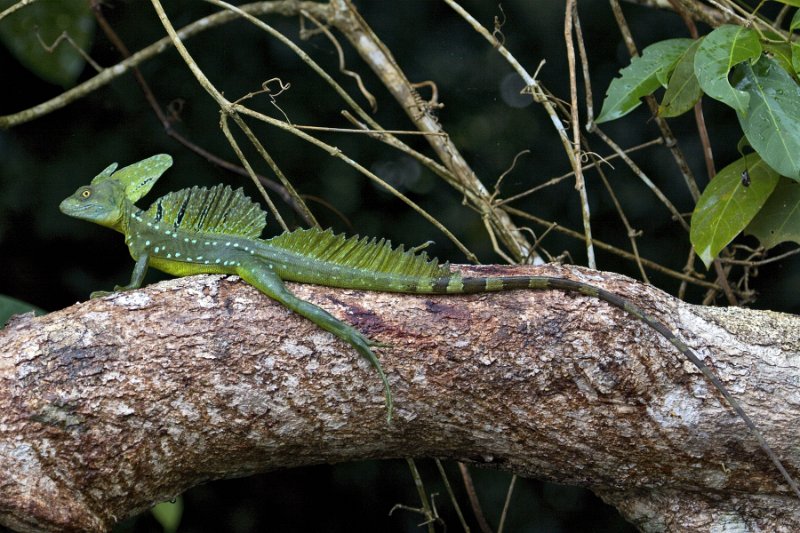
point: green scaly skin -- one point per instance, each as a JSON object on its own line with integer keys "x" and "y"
{"x": 158, "y": 239}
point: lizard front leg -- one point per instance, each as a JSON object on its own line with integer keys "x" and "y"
{"x": 258, "y": 273}
{"x": 137, "y": 277}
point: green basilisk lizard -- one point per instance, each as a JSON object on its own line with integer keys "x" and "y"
{"x": 217, "y": 230}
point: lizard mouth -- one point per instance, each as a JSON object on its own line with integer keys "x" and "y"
{"x": 70, "y": 208}
{"x": 64, "y": 206}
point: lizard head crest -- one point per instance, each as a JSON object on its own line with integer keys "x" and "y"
{"x": 137, "y": 179}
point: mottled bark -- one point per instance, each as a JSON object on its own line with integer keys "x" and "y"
{"x": 112, "y": 405}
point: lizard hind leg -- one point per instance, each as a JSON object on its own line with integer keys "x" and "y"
{"x": 259, "y": 274}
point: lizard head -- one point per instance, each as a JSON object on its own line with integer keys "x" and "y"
{"x": 112, "y": 193}
{"x": 102, "y": 203}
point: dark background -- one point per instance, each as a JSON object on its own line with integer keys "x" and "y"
{"x": 52, "y": 261}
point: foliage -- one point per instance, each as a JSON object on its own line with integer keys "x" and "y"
{"x": 729, "y": 203}
{"x": 30, "y": 32}
{"x": 779, "y": 220}
{"x": 11, "y": 306}
{"x": 771, "y": 121}
{"x": 757, "y": 76}
{"x": 683, "y": 90}
{"x": 169, "y": 514}
{"x": 644, "y": 75}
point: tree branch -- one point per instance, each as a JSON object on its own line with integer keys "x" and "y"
{"x": 112, "y": 405}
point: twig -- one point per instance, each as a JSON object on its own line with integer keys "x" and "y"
{"x": 111, "y": 73}
{"x": 580, "y": 183}
{"x": 373, "y": 103}
{"x": 384, "y": 135}
{"x": 65, "y": 37}
{"x": 381, "y": 134}
{"x": 722, "y": 280}
{"x": 233, "y": 109}
{"x": 224, "y": 104}
{"x": 335, "y": 152}
{"x": 381, "y": 61}
{"x": 506, "y": 504}
{"x": 559, "y": 179}
{"x": 531, "y": 84}
{"x": 666, "y": 131}
{"x": 708, "y": 154}
{"x": 469, "y": 486}
{"x": 430, "y": 517}
{"x": 451, "y": 494}
{"x": 587, "y": 81}
{"x": 699, "y": 11}
{"x": 364, "y": 130}
{"x": 698, "y": 107}
{"x": 780, "y": 257}
{"x": 688, "y": 268}
{"x": 612, "y": 249}
{"x": 223, "y": 123}
{"x": 15, "y": 6}
{"x": 642, "y": 176}
{"x": 629, "y": 231}
{"x": 167, "y": 122}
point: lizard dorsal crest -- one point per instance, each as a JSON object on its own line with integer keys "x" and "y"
{"x": 359, "y": 253}
{"x": 219, "y": 210}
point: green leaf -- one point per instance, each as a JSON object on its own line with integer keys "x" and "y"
{"x": 11, "y": 306}
{"x": 795, "y": 24}
{"x": 643, "y": 76}
{"x": 779, "y": 219}
{"x": 782, "y": 53}
{"x": 719, "y": 52}
{"x": 795, "y": 3}
{"x": 169, "y": 514}
{"x": 48, "y": 20}
{"x": 796, "y": 57}
{"x": 683, "y": 90}
{"x": 742, "y": 144}
{"x": 772, "y": 120}
{"x": 726, "y": 207}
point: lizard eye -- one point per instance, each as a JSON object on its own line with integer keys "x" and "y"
{"x": 86, "y": 193}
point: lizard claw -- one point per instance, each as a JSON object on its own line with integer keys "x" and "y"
{"x": 99, "y": 294}
{"x": 376, "y": 344}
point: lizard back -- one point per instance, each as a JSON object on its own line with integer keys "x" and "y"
{"x": 372, "y": 257}
{"x": 218, "y": 210}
